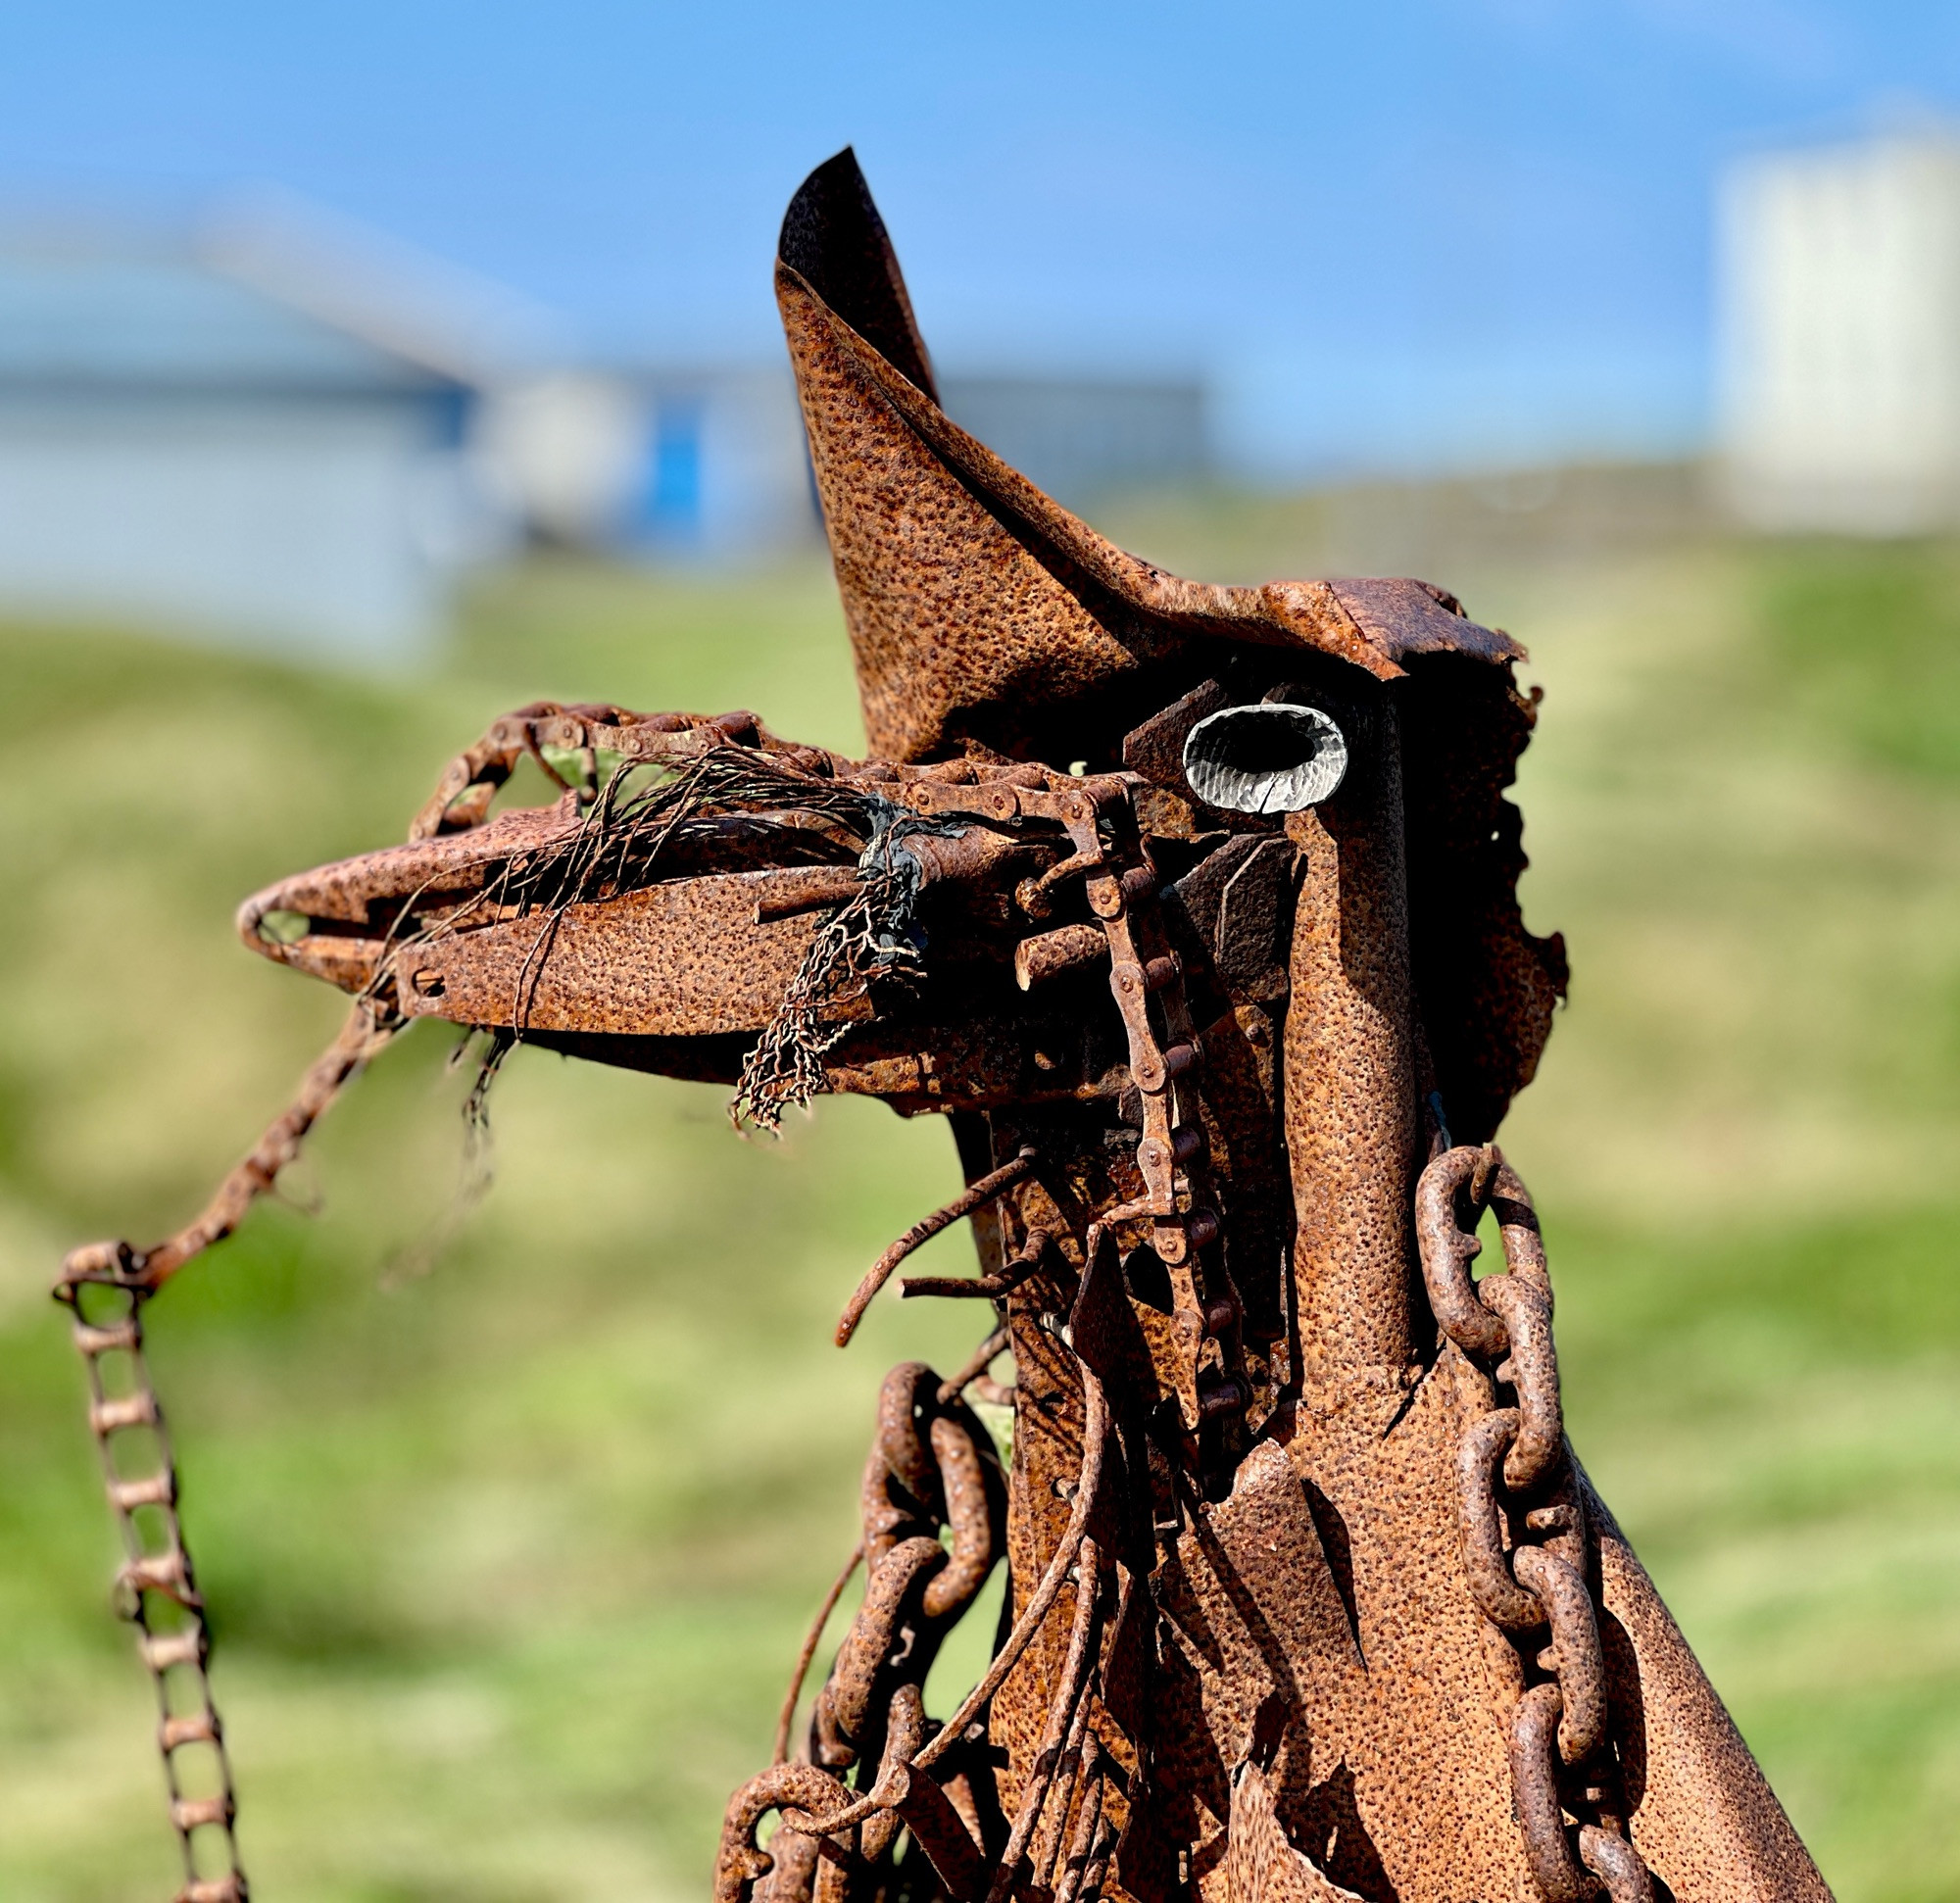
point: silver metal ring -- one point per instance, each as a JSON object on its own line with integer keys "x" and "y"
{"x": 1271, "y": 757}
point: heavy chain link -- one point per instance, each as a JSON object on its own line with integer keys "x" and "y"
{"x": 932, "y": 1465}
{"x": 1515, "y": 1478}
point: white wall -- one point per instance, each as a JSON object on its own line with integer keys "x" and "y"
{"x": 704, "y": 464}
{"x": 328, "y": 525}
{"x": 1839, "y": 337}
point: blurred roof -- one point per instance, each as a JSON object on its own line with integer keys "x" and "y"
{"x": 264, "y": 299}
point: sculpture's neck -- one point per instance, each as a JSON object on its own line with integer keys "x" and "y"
{"x": 1351, "y": 1089}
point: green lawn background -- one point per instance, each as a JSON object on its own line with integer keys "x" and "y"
{"x": 510, "y": 1517}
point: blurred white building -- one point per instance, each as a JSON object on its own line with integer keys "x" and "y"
{"x": 285, "y": 432}
{"x": 1838, "y": 315}
{"x": 709, "y": 463}
{"x": 240, "y": 433}
{"x": 693, "y": 464}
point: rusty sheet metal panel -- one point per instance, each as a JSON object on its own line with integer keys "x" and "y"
{"x": 650, "y": 963}
{"x": 1310, "y": 1598}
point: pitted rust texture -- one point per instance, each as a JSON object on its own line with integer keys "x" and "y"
{"x": 638, "y": 965}
{"x": 1352, "y": 1083}
{"x": 980, "y": 610}
{"x": 1309, "y": 1597}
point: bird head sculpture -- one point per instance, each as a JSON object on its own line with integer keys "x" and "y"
{"x": 1193, "y": 909}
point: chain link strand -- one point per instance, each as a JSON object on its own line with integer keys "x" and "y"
{"x": 1121, "y": 888}
{"x": 932, "y": 1466}
{"x": 157, "y": 1593}
{"x": 105, "y": 1287}
{"x": 1523, "y": 1529}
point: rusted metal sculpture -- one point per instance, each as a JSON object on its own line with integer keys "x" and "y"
{"x": 1193, "y": 909}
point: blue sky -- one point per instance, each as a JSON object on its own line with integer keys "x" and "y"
{"x": 1394, "y": 234}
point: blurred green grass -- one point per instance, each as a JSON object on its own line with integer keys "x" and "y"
{"x": 507, "y": 1558}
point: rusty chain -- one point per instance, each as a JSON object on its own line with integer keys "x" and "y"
{"x": 931, "y": 1465}
{"x": 157, "y": 1591}
{"x": 1516, "y": 1477}
{"x": 1171, "y": 1153}
{"x": 1070, "y": 1771}
{"x": 105, "y": 1286}
{"x": 1121, "y": 888}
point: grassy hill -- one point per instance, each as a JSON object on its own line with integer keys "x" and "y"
{"x": 511, "y": 1516}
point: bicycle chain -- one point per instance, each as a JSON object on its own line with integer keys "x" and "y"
{"x": 1121, "y": 889}
{"x": 155, "y": 1588}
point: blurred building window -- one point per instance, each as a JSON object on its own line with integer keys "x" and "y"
{"x": 673, "y": 499}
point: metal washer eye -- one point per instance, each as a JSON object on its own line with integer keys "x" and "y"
{"x": 1273, "y": 758}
